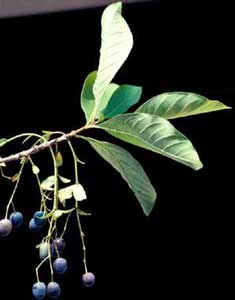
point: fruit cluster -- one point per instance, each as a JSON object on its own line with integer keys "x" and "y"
{"x": 47, "y": 251}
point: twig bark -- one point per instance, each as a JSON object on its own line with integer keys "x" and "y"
{"x": 38, "y": 148}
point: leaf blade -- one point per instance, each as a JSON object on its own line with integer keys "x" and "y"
{"x": 48, "y": 183}
{"x": 116, "y": 44}
{"x": 87, "y": 96}
{"x": 173, "y": 105}
{"x": 122, "y": 99}
{"x": 108, "y": 94}
{"x": 130, "y": 170}
{"x": 79, "y": 193}
{"x": 3, "y": 141}
{"x": 155, "y": 134}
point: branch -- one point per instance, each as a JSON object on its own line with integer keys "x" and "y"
{"x": 42, "y": 146}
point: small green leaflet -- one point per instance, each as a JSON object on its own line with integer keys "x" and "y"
{"x": 46, "y": 135}
{"x": 173, "y": 105}
{"x": 59, "y": 159}
{"x": 153, "y": 133}
{"x": 75, "y": 190}
{"x": 64, "y": 180}
{"x": 130, "y": 169}
{"x": 35, "y": 169}
{"x": 79, "y": 193}
{"x": 116, "y": 44}
{"x": 122, "y": 99}
{"x": 83, "y": 213}
{"x": 87, "y": 96}
{"x": 48, "y": 183}
{"x": 57, "y": 213}
{"x": 3, "y": 141}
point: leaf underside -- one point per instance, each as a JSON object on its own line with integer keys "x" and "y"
{"x": 130, "y": 170}
{"x": 116, "y": 44}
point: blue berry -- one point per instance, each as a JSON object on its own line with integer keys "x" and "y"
{"x": 60, "y": 265}
{"x": 53, "y": 289}
{"x": 88, "y": 279}
{"x": 59, "y": 244}
{"x": 37, "y": 218}
{"x": 39, "y": 290}
{"x": 33, "y": 226}
{"x": 57, "y": 247}
{"x": 16, "y": 219}
{"x": 5, "y": 227}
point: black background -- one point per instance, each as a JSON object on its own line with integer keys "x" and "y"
{"x": 184, "y": 247}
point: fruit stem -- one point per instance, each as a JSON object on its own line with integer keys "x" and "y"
{"x": 15, "y": 187}
{"x": 43, "y": 202}
{"x": 65, "y": 225}
{"x": 55, "y": 201}
{"x": 38, "y": 267}
{"x": 82, "y": 235}
{"x": 50, "y": 231}
{"x": 75, "y": 159}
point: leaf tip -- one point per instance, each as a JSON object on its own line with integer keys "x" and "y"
{"x": 147, "y": 209}
{"x": 198, "y": 165}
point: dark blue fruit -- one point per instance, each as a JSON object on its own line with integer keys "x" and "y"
{"x": 16, "y": 219}
{"x": 5, "y": 227}
{"x": 39, "y": 290}
{"x": 60, "y": 265}
{"x": 53, "y": 289}
{"x": 37, "y": 218}
{"x": 59, "y": 244}
{"x": 33, "y": 226}
{"x": 57, "y": 247}
{"x": 88, "y": 279}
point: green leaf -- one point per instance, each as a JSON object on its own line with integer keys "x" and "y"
{"x": 153, "y": 133}
{"x": 79, "y": 193}
{"x": 65, "y": 193}
{"x": 83, "y": 213}
{"x": 59, "y": 159}
{"x": 64, "y": 180}
{"x": 55, "y": 214}
{"x": 46, "y": 135}
{"x": 130, "y": 170}
{"x": 116, "y": 44}
{"x": 15, "y": 177}
{"x": 58, "y": 213}
{"x": 122, "y": 99}
{"x": 75, "y": 190}
{"x": 48, "y": 183}
{"x": 87, "y": 96}
{"x": 35, "y": 169}
{"x": 3, "y": 141}
{"x": 108, "y": 94}
{"x": 179, "y": 104}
